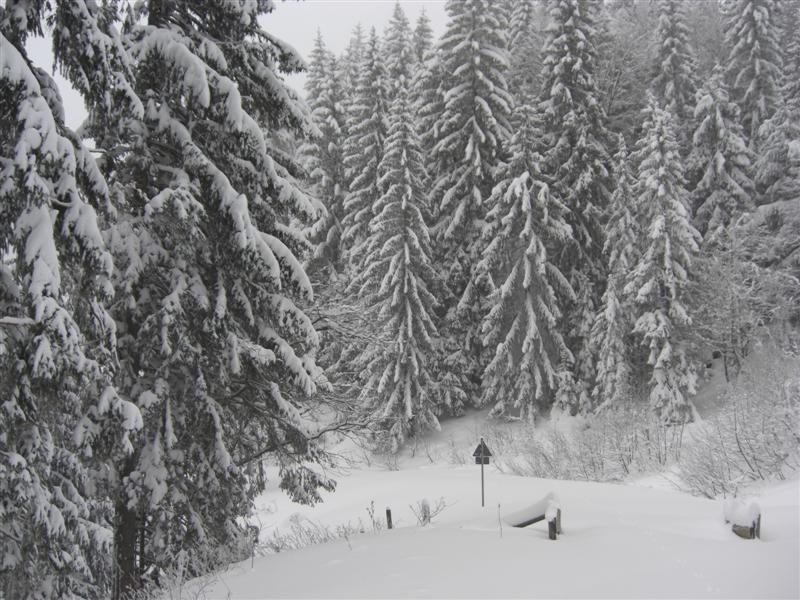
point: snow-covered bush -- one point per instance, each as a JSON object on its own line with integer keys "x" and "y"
{"x": 303, "y": 532}
{"x": 188, "y": 577}
{"x": 608, "y": 447}
{"x": 425, "y": 512}
{"x": 756, "y": 434}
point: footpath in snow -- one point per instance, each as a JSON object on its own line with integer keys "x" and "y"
{"x": 619, "y": 541}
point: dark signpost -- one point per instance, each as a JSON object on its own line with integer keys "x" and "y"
{"x": 482, "y": 455}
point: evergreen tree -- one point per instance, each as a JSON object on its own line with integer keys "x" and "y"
{"x": 428, "y": 94}
{"x": 612, "y": 325}
{"x": 674, "y": 84}
{"x": 428, "y": 100}
{"x": 790, "y": 43}
{"x": 720, "y": 154}
{"x": 575, "y": 158}
{"x": 525, "y": 46}
{"x": 368, "y": 125}
{"x": 778, "y": 161}
{"x": 522, "y": 325}
{"x": 398, "y": 284}
{"x": 399, "y": 52}
{"x": 470, "y": 133}
{"x": 213, "y": 347}
{"x": 352, "y": 59}
{"x": 61, "y": 419}
{"x": 659, "y": 278}
{"x": 422, "y": 39}
{"x": 778, "y": 164}
{"x": 754, "y": 63}
{"x": 316, "y": 73}
{"x": 623, "y": 69}
{"x": 324, "y": 157}
{"x": 349, "y": 68}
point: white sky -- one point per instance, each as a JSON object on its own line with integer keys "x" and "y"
{"x": 295, "y": 23}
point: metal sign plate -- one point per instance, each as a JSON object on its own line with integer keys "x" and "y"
{"x": 482, "y": 450}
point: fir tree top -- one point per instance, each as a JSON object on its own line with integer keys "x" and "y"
{"x": 423, "y": 36}
{"x": 474, "y": 124}
{"x": 399, "y": 51}
{"x": 674, "y": 83}
{"x": 754, "y": 62}
{"x": 721, "y": 155}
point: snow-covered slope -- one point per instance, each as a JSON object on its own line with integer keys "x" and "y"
{"x": 618, "y": 542}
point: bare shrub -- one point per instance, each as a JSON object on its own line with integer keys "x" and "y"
{"x": 425, "y": 513}
{"x": 388, "y": 460}
{"x": 609, "y": 446}
{"x": 181, "y": 581}
{"x": 455, "y": 455}
{"x": 304, "y": 532}
{"x": 377, "y": 523}
{"x": 756, "y": 434}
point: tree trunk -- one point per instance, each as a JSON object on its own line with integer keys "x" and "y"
{"x": 142, "y": 542}
{"x": 125, "y": 538}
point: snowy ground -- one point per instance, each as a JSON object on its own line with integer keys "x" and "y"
{"x": 619, "y": 541}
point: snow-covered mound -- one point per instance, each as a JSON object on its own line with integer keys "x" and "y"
{"x": 618, "y": 542}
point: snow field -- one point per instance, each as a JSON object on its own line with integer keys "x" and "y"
{"x": 618, "y": 542}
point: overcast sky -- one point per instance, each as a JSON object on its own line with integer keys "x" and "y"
{"x": 295, "y": 22}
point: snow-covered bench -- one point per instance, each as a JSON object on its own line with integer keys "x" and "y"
{"x": 547, "y": 508}
{"x": 745, "y": 519}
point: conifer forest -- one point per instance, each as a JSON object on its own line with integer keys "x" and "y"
{"x": 557, "y": 207}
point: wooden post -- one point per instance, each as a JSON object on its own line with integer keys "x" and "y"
{"x": 499, "y": 520}
{"x": 388, "y": 518}
{"x": 758, "y": 527}
{"x": 551, "y": 529}
{"x": 558, "y": 522}
{"x": 253, "y": 531}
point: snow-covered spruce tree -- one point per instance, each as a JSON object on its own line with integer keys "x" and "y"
{"x": 721, "y": 158}
{"x": 398, "y": 284}
{"x": 470, "y": 133}
{"x": 324, "y": 162}
{"x": 778, "y": 161}
{"x": 623, "y": 67}
{"x": 525, "y": 47}
{"x": 658, "y": 280}
{"x": 754, "y": 63}
{"x": 61, "y": 419}
{"x": 521, "y": 328}
{"x": 368, "y": 127}
{"x": 778, "y": 164}
{"x": 790, "y": 43}
{"x": 674, "y": 81}
{"x": 348, "y": 74}
{"x": 350, "y": 64}
{"x": 363, "y": 151}
{"x": 613, "y": 325}
{"x": 399, "y": 52}
{"x": 318, "y": 64}
{"x": 422, "y": 38}
{"x": 575, "y": 141}
{"x": 213, "y": 345}
{"x": 428, "y": 94}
